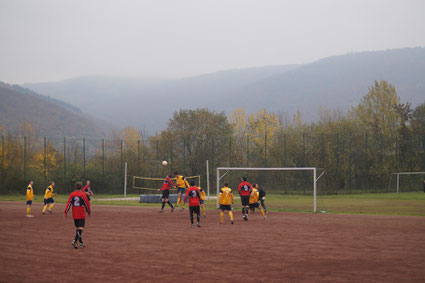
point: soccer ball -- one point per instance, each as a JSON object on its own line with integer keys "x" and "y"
{"x": 164, "y": 162}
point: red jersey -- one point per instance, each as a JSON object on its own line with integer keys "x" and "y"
{"x": 194, "y": 195}
{"x": 166, "y": 184}
{"x": 80, "y": 204}
{"x": 245, "y": 188}
{"x": 86, "y": 189}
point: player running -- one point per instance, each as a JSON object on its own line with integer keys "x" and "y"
{"x": 226, "y": 200}
{"x": 253, "y": 201}
{"x": 80, "y": 204}
{"x": 182, "y": 184}
{"x": 166, "y": 193}
{"x": 245, "y": 190}
{"x": 30, "y": 196}
{"x": 87, "y": 190}
{"x": 194, "y": 194}
{"x": 262, "y": 197}
{"x": 202, "y": 200}
{"x": 48, "y": 198}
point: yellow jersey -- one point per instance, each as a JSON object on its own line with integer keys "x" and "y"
{"x": 255, "y": 195}
{"x": 226, "y": 196}
{"x": 49, "y": 192}
{"x": 181, "y": 182}
{"x": 30, "y": 193}
{"x": 203, "y": 195}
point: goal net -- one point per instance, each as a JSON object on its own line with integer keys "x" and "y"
{"x": 149, "y": 185}
{"x": 406, "y": 182}
{"x": 276, "y": 182}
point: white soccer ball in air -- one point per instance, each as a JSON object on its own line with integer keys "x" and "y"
{"x": 164, "y": 162}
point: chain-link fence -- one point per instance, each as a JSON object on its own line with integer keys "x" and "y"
{"x": 352, "y": 163}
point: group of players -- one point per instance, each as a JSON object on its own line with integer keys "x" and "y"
{"x": 251, "y": 197}
{"x": 79, "y": 200}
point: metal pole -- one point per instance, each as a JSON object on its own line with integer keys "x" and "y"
{"x": 337, "y": 153}
{"x": 84, "y": 158}
{"x": 284, "y": 150}
{"x": 138, "y": 158}
{"x": 218, "y": 185}
{"x": 2, "y": 161}
{"x": 398, "y": 182}
{"x": 208, "y": 180}
{"x": 103, "y": 166}
{"x": 45, "y": 162}
{"x": 367, "y": 163}
{"x": 64, "y": 163}
{"x": 303, "y": 149}
{"x": 396, "y": 153}
{"x": 350, "y": 160}
{"x": 122, "y": 160}
{"x": 25, "y": 159}
{"x": 265, "y": 147}
{"x": 125, "y": 180}
{"x": 315, "y": 190}
{"x": 247, "y": 153}
{"x": 171, "y": 157}
{"x": 157, "y": 158}
{"x": 230, "y": 151}
{"x": 382, "y": 164}
{"x": 184, "y": 156}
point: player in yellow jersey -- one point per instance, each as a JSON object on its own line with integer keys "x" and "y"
{"x": 226, "y": 200}
{"x": 253, "y": 201}
{"x": 202, "y": 199}
{"x": 30, "y": 196}
{"x": 48, "y": 198}
{"x": 181, "y": 184}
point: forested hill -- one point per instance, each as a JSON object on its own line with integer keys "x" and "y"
{"x": 336, "y": 82}
{"x": 49, "y": 117}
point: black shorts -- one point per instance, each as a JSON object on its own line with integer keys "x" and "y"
{"x": 165, "y": 193}
{"x": 29, "y": 202}
{"x": 194, "y": 209}
{"x": 180, "y": 190}
{"x": 79, "y": 222}
{"x": 245, "y": 200}
{"x": 48, "y": 200}
{"x": 225, "y": 207}
{"x": 254, "y": 205}
{"x": 201, "y": 201}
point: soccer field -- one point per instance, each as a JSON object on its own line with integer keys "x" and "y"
{"x": 139, "y": 244}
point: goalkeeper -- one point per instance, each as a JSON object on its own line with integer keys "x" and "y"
{"x": 262, "y": 197}
{"x": 182, "y": 184}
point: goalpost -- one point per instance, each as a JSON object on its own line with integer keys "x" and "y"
{"x": 312, "y": 169}
{"x": 403, "y": 173}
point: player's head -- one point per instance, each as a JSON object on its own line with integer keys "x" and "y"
{"x": 169, "y": 176}
{"x": 176, "y": 173}
{"x": 88, "y": 182}
{"x": 226, "y": 184}
{"x": 192, "y": 183}
{"x": 244, "y": 179}
{"x": 78, "y": 186}
{"x": 31, "y": 182}
{"x": 255, "y": 186}
{"x": 52, "y": 183}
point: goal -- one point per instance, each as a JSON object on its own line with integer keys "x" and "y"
{"x": 149, "y": 184}
{"x": 313, "y": 171}
{"x": 407, "y": 181}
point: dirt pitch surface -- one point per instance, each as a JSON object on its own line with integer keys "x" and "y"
{"x": 139, "y": 244}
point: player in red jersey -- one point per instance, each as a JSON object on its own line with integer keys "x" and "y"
{"x": 194, "y": 195}
{"x": 166, "y": 192}
{"x": 80, "y": 204}
{"x": 87, "y": 190}
{"x": 245, "y": 190}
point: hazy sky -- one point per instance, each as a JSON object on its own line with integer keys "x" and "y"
{"x": 53, "y": 40}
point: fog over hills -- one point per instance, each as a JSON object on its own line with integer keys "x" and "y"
{"x": 336, "y": 82}
{"x": 49, "y": 117}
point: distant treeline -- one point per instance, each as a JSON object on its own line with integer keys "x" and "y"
{"x": 358, "y": 150}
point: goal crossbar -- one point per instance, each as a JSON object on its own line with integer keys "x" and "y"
{"x": 314, "y": 169}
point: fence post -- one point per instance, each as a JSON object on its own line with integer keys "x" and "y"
{"x": 230, "y": 151}
{"x": 103, "y": 165}
{"x": 25, "y": 159}
{"x": 424, "y": 150}
{"x": 84, "y": 158}
{"x": 171, "y": 157}
{"x": 138, "y": 158}
{"x": 157, "y": 158}
{"x": 367, "y": 162}
{"x": 350, "y": 162}
{"x": 122, "y": 169}
{"x": 284, "y": 151}
{"x": 247, "y": 151}
{"x": 382, "y": 163}
{"x": 323, "y": 151}
{"x": 2, "y": 162}
{"x": 184, "y": 156}
{"x": 45, "y": 162}
{"x": 64, "y": 164}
